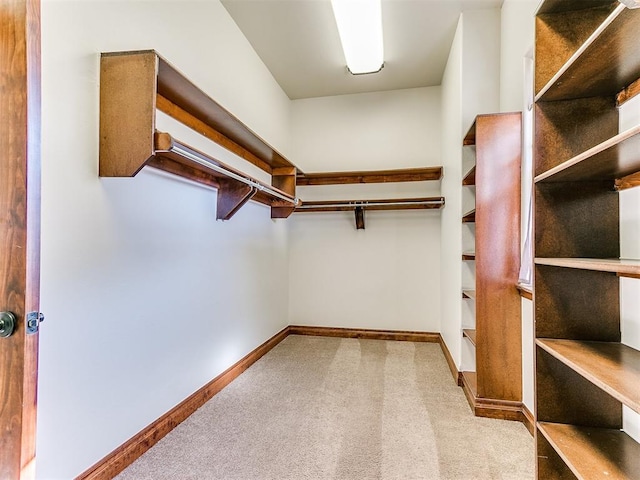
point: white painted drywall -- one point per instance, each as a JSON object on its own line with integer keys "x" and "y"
{"x": 387, "y": 275}
{"x": 470, "y": 87}
{"x": 630, "y": 249}
{"x": 146, "y": 296}
{"x": 517, "y": 39}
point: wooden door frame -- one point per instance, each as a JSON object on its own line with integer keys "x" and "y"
{"x": 19, "y": 230}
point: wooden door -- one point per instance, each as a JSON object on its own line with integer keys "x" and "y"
{"x": 19, "y": 230}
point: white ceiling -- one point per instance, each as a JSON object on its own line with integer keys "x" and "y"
{"x": 298, "y": 41}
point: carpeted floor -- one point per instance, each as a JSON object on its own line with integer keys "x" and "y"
{"x": 330, "y": 408}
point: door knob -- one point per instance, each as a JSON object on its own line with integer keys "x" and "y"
{"x": 7, "y": 324}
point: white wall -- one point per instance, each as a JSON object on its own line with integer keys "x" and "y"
{"x": 517, "y": 39}
{"x": 146, "y": 296}
{"x": 630, "y": 249}
{"x": 470, "y": 87}
{"x": 386, "y": 276}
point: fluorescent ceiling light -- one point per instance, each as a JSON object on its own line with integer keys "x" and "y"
{"x": 360, "y": 27}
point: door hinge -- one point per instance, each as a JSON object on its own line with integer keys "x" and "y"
{"x": 33, "y": 322}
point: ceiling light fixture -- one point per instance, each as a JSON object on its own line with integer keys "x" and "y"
{"x": 360, "y": 28}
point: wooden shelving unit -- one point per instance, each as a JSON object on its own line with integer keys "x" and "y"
{"x": 134, "y": 86}
{"x": 376, "y": 176}
{"x": 495, "y": 389}
{"x": 587, "y": 64}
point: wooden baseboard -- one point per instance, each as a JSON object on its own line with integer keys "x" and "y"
{"x": 128, "y": 452}
{"x": 398, "y": 335}
{"x": 447, "y": 356}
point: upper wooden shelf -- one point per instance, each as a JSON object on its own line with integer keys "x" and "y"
{"x": 422, "y": 203}
{"x": 613, "y": 367}
{"x": 594, "y": 453}
{"x": 134, "y": 86}
{"x": 469, "y": 217}
{"x": 615, "y": 158}
{"x": 621, "y": 267}
{"x": 374, "y": 176}
{"x": 605, "y": 63}
{"x": 468, "y": 255}
{"x": 469, "y": 179}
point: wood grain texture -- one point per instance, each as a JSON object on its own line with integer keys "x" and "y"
{"x": 628, "y": 93}
{"x": 567, "y": 129}
{"x": 594, "y": 453}
{"x": 576, "y": 220}
{"x": 497, "y": 246}
{"x": 614, "y": 367}
{"x": 398, "y": 335}
{"x": 525, "y": 291}
{"x": 127, "y": 112}
{"x": 19, "y": 230}
{"x": 232, "y": 196}
{"x": 564, "y": 396}
{"x": 469, "y": 180}
{"x": 614, "y": 158}
{"x": 576, "y": 304}
{"x": 469, "y": 217}
{"x": 177, "y": 89}
{"x": 133, "y": 448}
{"x": 629, "y": 181}
{"x": 606, "y": 63}
{"x": 470, "y": 333}
{"x": 559, "y": 35}
{"x": 376, "y": 176}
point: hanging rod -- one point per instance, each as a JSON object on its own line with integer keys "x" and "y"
{"x": 392, "y": 204}
{"x": 206, "y": 161}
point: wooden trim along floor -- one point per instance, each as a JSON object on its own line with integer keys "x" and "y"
{"x": 128, "y": 452}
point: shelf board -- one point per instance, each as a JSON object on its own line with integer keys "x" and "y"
{"x": 559, "y": 6}
{"x": 606, "y": 63}
{"x": 468, "y": 255}
{"x": 470, "y": 333}
{"x": 613, "y": 367}
{"x": 469, "y": 294}
{"x": 621, "y": 267}
{"x": 469, "y": 179}
{"x": 594, "y": 453}
{"x": 615, "y": 158}
{"x": 469, "y": 217}
{"x": 525, "y": 291}
{"x": 376, "y": 176}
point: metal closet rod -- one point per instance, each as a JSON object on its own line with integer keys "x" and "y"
{"x": 365, "y": 203}
{"x": 207, "y": 162}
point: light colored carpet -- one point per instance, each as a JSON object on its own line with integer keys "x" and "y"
{"x": 330, "y": 408}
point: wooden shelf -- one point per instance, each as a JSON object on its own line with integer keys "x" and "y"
{"x": 525, "y": 291}
{"x": 134, "y": 86}
{"x": 621, "y": 267}
{"x": 469, "y": 294}
{"x": 606, "y": 62}
{"x": 376, "y": 176}
{"x": 613, "y": 367}
{"x": 469, "y": 179}
{"x": 615, "y": 158}
{"x": 470, "y": 333}
{"x": 468, "y": 255}
{"x": 469, "y": 217}
{"x": 594, "y": 453}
